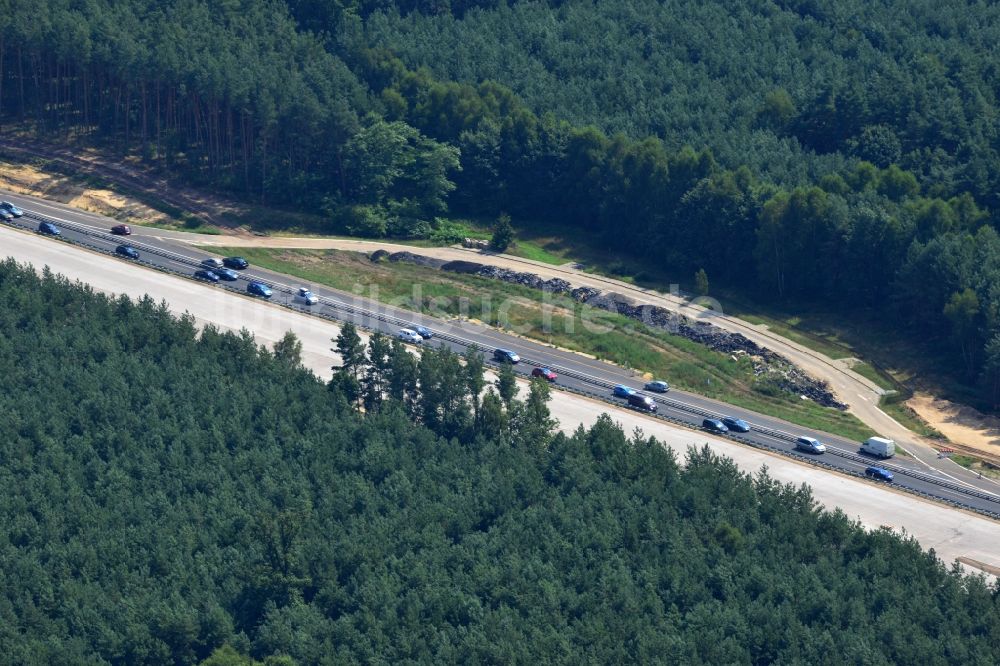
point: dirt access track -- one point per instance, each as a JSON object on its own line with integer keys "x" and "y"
{"x": 860, "y": 394}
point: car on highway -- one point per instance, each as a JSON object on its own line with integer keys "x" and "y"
{"x": 259, "y": 289}
{"x": 127, "y": 251}
{"x": 6, "y": 215}
{"x": 305, "y": 297}
{"x": 49, "y": 229}
{"x": 735, "y": 424}
{"x": 11, "y": 208}
{"x": 239, "y": 263}
{"x": 545, "y": 374}
{"x": 226, "y": 274}
{"x": 879, "y": 474}
{"x": 657, "y": 387}
{"x": 206, "y": 275}
{"x": 643, "y": 402}
{"x": 212, "y": 262}
{"x": 121, "y": 230}
{"x": 715, "y": 425}
{"x": 622, "y": 391}
{"x": 424, "y": 332}
{"x": 409, "y": 335}
{"x": 810, "y": 445}
{"x": 505, "y": 356}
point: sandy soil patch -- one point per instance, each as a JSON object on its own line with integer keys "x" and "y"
{"x": 959, "y": 423}
{"x": 28, "y": 180}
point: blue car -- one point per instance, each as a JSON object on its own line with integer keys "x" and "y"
{"x": 239, "y": 263}
{"x": 879, "y": 474}
{"x": 714, "y": 425}
{"x": 11, "y": 208}
{"x": 259, "y": 289}
{"x": 226, "y": 274}
{"x": 737, "y": 425}
{"x": 49, "y": 229}
{"x": 207, "y": 276}
{"x": 621, "y": 391}
{"x": 423, "y": 332}
{"x": 127, "y": 251}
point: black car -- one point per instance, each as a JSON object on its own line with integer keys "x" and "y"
{"x": 643, "y": 402}
{"x": 207, "y": 276}
{"x": 714, "y": 425}
{"x": 239, "y": 263}
{"x": 48, "y": 229}
{"x": 127, "y": 251}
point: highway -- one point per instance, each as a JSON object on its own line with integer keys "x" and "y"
{"x": 952, "y": 532}
{"x": 577, "y": 373}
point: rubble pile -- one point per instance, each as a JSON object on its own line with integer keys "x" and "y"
{"x": 769, "y": 367}
{"x": 475, "y": 243}
{"x": 553, "y": 285}
{"x": 419, "y": 260}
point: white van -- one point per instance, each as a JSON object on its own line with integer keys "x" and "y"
{"x": 879, "y": 447}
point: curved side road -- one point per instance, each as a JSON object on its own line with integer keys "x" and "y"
{"x": 951, "y": 532}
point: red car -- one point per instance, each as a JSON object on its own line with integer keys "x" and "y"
{"x": 122, "y": 230}
{"x": 544, "y": 373}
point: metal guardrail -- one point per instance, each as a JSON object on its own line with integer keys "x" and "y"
{"x": 580, "y": 376}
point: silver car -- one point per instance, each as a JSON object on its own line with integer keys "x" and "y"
{"x": 409, "y": 335}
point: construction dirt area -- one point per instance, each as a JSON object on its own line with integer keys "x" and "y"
{"x": 959, "y": 423}
{"x": 24, "y": 179}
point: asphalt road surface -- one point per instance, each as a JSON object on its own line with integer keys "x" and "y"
{"x": 576, "y": 372}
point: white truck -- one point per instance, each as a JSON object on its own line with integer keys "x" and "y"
{"x": 879, "y": 447}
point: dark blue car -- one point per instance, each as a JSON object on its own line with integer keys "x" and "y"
{"x": 735, "y": 424}
{"x": 226, "y": 274}
{"x": 49, "y": 229}
{"x": 423, "y": 332}
{"x": 207, "y": 276}
{"x": 259, "y": 289}
{"x": 239, "y": 263}
{"x": 879, "y": 474}
{"x": 127, "y": 251}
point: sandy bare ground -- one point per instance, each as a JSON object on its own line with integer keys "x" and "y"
{"x": 129, "y": 173}
{"x": 28, "y": 180}
{"x": 959, "y": 423}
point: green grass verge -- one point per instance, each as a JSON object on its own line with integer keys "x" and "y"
{"x": 976, "y": 465}
{"x": 869, "y": 372}
{"x": 651, "y": 352}
{"x": 910, "y": 419}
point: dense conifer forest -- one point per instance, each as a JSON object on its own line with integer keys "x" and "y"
{"x": 177, "y": 497}
{"x": 834, "y": 153}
